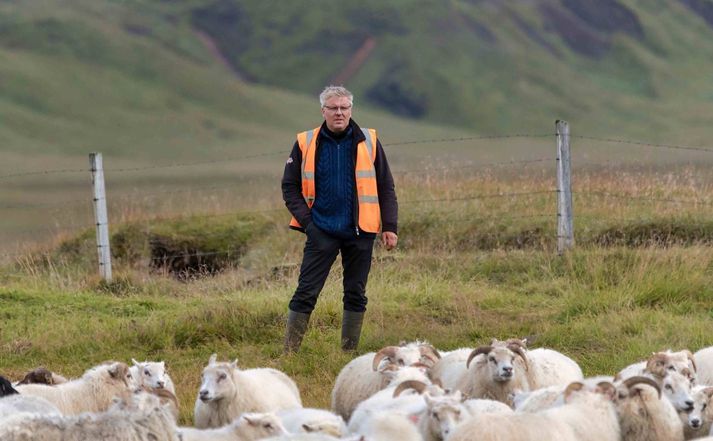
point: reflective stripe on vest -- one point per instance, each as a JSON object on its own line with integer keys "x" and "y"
{"x": 365, "y": 176}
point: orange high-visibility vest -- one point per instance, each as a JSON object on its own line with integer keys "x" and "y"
{"x": 365, "y": 174}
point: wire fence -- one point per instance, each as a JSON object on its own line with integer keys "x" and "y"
{"x": 38, "y": 217}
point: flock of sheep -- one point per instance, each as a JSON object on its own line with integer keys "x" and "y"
{"x": 500, "y": 392}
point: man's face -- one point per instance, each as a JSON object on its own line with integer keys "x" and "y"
{"x": 336, "y": 112}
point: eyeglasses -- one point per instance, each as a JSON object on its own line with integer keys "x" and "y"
{"x": 335, "y": 109}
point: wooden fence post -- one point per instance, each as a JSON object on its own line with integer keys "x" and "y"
{"x": 100, "y": 215}
{"x": 565, "y": 229}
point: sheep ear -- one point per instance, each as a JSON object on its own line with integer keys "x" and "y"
{"x": 114, "y": 370}
{"x": 136, "y": 363}
{"x": 234, "y": 364}
{"x": 607, "y": 389}
{"x": 572, "y": 388}
{"x": 212, "y": 359}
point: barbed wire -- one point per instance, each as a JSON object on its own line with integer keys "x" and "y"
{"x": 43, "y": 172}
{"x": 392, "y": 144}
{"x": 642, "y": 198}
{"x": 469, "y": 138}
{"x": 478, "y": 196}
{"x": 644, "y": 144}
{"x": 483, "y": 165}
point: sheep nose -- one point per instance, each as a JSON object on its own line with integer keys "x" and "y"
{"x": 696, "y": 423}
{"x": 203, "y": 395}
{"x": 507, "y": 371}
{"x": 160, "y": 384}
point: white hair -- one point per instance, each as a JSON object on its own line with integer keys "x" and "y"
{"x": 332, "y": 91}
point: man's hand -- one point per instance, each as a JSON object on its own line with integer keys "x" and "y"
{"x": 389, "y": 240}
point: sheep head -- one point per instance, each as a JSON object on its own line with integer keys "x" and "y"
{"x": 444, "y": 413}
{"x": 661, "y": 363}
{"x": 501, "y": 359}
{"x": 697, "y": 415}
{"x": 217, "y": 381}
{"x": 39, "y": 375}
{"x": 258, "y": 426}
{"x": 151, "y": 373}
{"x": 406, "y": 355}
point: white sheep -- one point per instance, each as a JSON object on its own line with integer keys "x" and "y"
{"x": 390, "y": 400}
{"x": 659, "y": 363}
{"x": 389, "y": 427}
{"x": 585, "y": 416}
{"x": 444, "y": 413}
{"x": 311, "y": 420}
{"x": 698, "y": 420}
{"x": 361, "y": 377}
{"x": 548, "y": 367}
{"x": 247, "y": 427}
{"x": 156, "y": 424}
{"x": 227, "y": 391}
{"x": 93, "y": 392}
{"x": 643, "y": 414}
{"x": 26, "y": 404}
{"x": 493, "y": 372}
{"x": 676, "y": 388}
{"x": 704, "y": 363}
{"x": 151, "y": 374}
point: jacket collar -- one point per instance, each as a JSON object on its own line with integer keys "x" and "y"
{"x": 356, "y": 131}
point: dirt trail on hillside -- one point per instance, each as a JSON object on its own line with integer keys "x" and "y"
{"x": 209, "y": 43}
{"x": 356, "y": 62}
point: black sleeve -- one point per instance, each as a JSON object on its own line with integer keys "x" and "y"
{"x": 387, "y": 194}
{"x": 292, "y": 188}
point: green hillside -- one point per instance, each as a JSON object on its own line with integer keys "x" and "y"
{"x": 139, "y": 76}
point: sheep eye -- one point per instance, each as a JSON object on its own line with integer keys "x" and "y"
{"x": 147, "y": 373}
{"x": 671, "y": 368}
{"x": 669, "y": 387}
{"x": 401, "y": 362}
{"x": 704, "y": 405}
{"x": 222, "y": 377}
{"x": 267, "y": 426}
{"x": 491, "y": 359}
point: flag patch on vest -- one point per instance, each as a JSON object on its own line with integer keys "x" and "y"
{"x": 289, "y": 160}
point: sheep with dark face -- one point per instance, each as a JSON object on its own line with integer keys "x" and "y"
{"x": 42, "y": 375}
{"x": 6, "y": 387}
{"x": 227, "y": 391}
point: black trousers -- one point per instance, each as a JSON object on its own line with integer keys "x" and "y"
{"x": 320, "y": 252}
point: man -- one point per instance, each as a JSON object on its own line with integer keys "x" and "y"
{"x": 338, "y": 187}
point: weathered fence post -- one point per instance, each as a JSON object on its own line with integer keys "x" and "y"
{"x": 565, "y": 229}
{"x": 100, "y": 215}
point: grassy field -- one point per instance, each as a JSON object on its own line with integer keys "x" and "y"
{"x": 471, "y": 266}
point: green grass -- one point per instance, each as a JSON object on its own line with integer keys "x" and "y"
{"x": 603, "y": 307}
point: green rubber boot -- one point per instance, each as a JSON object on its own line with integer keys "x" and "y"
{"x": 351, "y": 329}
{"x": 296, "y": 327}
